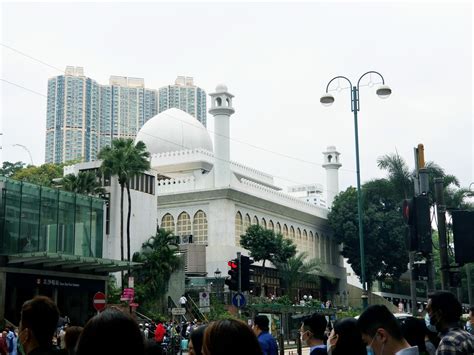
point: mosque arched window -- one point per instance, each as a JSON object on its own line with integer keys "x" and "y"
{"x": 200, "y": 228}
{"x": 318, "y": 247}
{"x": 247, "y": 223}
{"x": 255, "y": 221}
{"x": 264, "y": 223}
{"x": 305, "y": 242}
{"x": 292, "y": 235}
{"x": 278, "y": 228}
{"x": 167, "y": 223}
{"x": 299, "y": 243}
{"x": 183, "y": 225}
{"x": 285, "y": 231}
{"x": 270, "y": 225}
{"x": 312, "y": 245}
{"x": 239, "y": 228}
{"x": 218, "y": 101}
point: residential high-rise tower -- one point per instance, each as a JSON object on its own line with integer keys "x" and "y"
{"x": 185, "y": 96}
{"x": 84, "y": 116}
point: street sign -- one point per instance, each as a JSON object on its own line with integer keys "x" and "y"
{"x": 99, "y": 301}
{"x": 127, "y": 295}
{"x": 205, "y": 309}
{"x": 239, "y": 300}
{"x": 204, "y": 300}
{"x": 178, "y": 311}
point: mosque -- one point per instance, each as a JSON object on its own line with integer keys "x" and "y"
{"x": 194, "y": 190}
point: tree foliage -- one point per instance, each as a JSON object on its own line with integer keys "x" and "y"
{"x": 83, "y": 183}
{"x": 159, "y": 257}
{"x": 385, "y": 233}
{"x": 264, "y": 246}
{"x": 41, "y": 175}
{"x": 384, "y": 230}
{"x": 296, "y": 270}
{"x": 9, "y": 169}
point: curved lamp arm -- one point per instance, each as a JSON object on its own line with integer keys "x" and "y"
{"x": 370, "y": 72}
{"x": 340, "y": 77}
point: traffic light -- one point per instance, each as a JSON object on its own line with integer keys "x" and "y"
{"x": 246, "y": 273}
{"x": 416, "y": 212}
{"x": 233, "y": 280}
{"x": 423, "y": 224}
{"x": 463, "y": 232}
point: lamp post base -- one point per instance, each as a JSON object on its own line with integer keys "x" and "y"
{"x": 365, "y": 299}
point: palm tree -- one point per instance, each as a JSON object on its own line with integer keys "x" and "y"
{"x": 402, "y": 179}
{"x": 82, "y": 183}
{"x": 297, "y": 270}
{"x": 159, "y": 256}
{"x": 124, "y": 159}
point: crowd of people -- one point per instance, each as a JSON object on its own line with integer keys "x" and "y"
{"x": 376, "y": 331}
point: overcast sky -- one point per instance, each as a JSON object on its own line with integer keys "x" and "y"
{"x": 276, "y": 58}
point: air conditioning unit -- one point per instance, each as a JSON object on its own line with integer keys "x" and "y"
{"x": 187, "y": 239}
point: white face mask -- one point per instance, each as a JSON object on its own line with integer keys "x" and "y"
{"x": 303, "y": 342}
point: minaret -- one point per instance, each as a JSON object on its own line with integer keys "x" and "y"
{"x": 221, "y": 109}
{"x": 332, "y": 165}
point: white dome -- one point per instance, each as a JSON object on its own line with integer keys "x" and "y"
{"x": 174, "y": 130}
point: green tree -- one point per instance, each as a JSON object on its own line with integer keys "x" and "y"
{"x": 297, "y": 270}
{"x": 264, "y": 246}
{"x": 384, "y": 230}
{"x": 159, "y": 256}
{"x": 124, "y": 159}
{"x": 41, "y": 175}
{"x": 8, "y": 169}
{"x": 82, "y": 183}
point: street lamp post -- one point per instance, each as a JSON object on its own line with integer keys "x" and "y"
{"x": 327, "y": 99}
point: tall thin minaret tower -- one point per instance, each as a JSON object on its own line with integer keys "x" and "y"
{"x": 221, "y": 109}
{"x": 332, "y": 165}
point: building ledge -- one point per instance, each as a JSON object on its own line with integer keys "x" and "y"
{"x": 69, "y": 262}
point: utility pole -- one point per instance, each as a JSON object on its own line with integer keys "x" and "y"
{"x": 443, "y": 245}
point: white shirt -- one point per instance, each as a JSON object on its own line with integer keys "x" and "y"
{"x": 409, "y": 351}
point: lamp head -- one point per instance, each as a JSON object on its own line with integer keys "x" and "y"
{"x": 327, "y": 99}
{"x": 384, "y": 91}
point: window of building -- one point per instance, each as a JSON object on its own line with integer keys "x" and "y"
{"x": 264, "y": 223}
{"x": 200, "y": 228}
{"x": 299, "y": 243}
{"x": 278, "y": 228}
{"x": 247, "y": 223}
{"x": 292, "y": 235}
{"x": 239, "y": 228}
{"x": 167, "y": 223}
{"x": 285, "y": 231}
{"x": 270, "y": 225}
{"x": 183, "y": 225}
{"x": 305, "y": 242}
{"x": 255, "y": 220}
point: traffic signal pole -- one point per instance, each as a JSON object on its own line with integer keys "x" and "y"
{"x": 239, "y": 257}
{"x": 443, "y": 245}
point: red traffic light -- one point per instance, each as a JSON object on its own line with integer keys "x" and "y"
{"x": 232, "y": 264}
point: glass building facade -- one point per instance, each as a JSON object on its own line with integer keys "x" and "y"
{"x": 83, "y": 116}
{"x": 34, "y": 218}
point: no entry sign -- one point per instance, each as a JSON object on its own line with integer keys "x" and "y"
{"x": 99, "y": 301}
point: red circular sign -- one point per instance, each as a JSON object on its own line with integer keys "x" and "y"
{"x": 99, "y": 301}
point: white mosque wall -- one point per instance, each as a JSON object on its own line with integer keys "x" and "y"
{"x": 223, "y": 231}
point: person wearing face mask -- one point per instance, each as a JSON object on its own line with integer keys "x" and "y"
{"x": 39, "y": 317}
{"x": 312, "y": 334}
{"x": 345, "y": 338}
{"x": 444, "y": 312}
{"x": 381, "y": 332}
